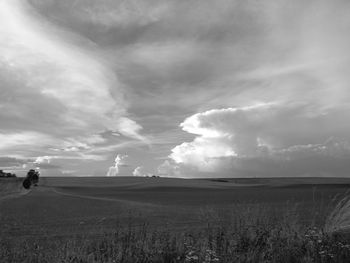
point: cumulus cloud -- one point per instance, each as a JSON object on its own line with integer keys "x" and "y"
{"x": 44, "y": 162}
{"x": 261, "y": 140}
{"x": 222, "y": 133}
{"x": 43, "y": 159}
{"x": 141, "y": 171}
{"x": 119, "y": 161}
{"x": 169, "y": 168}
{"x": 330, "y": 158}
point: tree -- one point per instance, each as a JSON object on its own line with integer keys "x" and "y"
{"x": 32, "y": 178}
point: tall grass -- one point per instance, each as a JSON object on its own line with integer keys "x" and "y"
{"x": 338, "y": 220}
{"x": 243, "y": 233}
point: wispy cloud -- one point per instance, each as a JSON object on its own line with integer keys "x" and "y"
{"x": 57, "y": 91}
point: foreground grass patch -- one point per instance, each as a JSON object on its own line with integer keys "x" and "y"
{"x": 249, "y": 233}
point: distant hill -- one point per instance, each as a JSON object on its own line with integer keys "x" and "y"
{"x": 133, "y": 182}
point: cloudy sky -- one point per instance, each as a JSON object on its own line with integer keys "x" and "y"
{"x": 195, "y": 88}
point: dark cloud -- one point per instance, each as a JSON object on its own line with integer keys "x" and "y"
{"x": 11, "y": 162}
{"x": 47, "y": 166}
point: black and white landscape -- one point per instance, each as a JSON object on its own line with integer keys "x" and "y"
{"x": 174, "y": 131}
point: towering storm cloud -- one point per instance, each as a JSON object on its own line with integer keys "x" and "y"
{"x": 235, "y": 141}
{"x": 119, "y": 161}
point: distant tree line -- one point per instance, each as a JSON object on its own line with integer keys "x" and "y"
{"x": 3, "y": 174}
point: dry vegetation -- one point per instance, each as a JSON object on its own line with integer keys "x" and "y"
{"x": 135, "y": 232}
{"x": 242, "y": 234}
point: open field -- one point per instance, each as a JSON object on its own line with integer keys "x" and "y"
{"x": 88, "y": 209}
{"x": 11, "y": 188}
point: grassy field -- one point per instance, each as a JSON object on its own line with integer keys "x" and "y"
{"x": 130, "y": 219}
{"x": 10, "y": 186}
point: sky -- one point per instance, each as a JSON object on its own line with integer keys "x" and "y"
{"x": 195, "y": 88}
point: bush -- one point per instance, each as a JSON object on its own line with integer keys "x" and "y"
{"x": 7, "y": 175}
